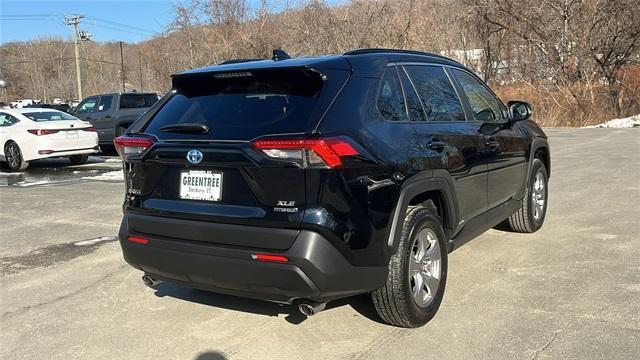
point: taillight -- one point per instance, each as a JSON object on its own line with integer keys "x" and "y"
{"x": 40, "y": 132}
{"x": 91, "y": 129}
{"x": 130, "y": 146}
{"x": 323, "y": 152}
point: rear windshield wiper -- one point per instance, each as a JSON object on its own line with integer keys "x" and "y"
{"x": 195, "y": 128}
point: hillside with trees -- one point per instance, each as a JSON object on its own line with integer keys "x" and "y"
{"x": 577, "y": 61}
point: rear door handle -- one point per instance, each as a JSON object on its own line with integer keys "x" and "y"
{"x": 491, "y": 142}
{"x": 436, "y": 145}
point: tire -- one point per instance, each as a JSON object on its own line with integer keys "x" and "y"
{"x": 13, "y": 156}
{"x": 79, "y": 159}
{"x": 395, "y": 301}
{"x": 530, "y": 217}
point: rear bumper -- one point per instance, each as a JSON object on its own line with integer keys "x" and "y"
{"x": 315, "y": 269}
{"x": 61, "y": 153}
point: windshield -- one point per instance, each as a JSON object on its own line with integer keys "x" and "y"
{"x": 48, "y": 116}
{"x": 240, "y": 106}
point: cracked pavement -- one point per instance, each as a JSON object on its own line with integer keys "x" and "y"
{"x": 570, "y": 291}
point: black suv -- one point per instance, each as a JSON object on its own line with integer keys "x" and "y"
{"x": 311, "y": 179}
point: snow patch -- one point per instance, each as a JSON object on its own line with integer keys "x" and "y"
{"x": 630, "y": 122}
{"x": 95, "y": 241}
{"x": 116, "y": 175}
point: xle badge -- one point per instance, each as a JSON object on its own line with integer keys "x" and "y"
{"x": 286, "y": 206}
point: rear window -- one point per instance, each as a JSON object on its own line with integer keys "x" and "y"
{"x": 133, "y": 101}
{"x": 48, "y": 116}
{"x": 240, "y": 106}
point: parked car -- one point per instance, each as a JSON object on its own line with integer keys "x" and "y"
{"x": 61, "y": 107}
{"x": 37, "y": 133}
{"x": 112, "y": 113}
{"x": 23, "y": 102}
{"x": 311, "y": 179}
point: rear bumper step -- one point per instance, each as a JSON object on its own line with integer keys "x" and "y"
{"x": 315, "y": 270}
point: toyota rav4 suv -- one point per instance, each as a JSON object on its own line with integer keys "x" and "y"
{"x": 305, "y": 180}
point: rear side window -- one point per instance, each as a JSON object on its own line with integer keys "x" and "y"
{"x": 390, "y": 98}
{"x": 132, "y": 101}
{"x": 486, "y": 107}
{"x": 240, "y": 106}
{"x": 438, "y": 95}
{"x": 48, "y": 116}
{"x": 413, "y": 101}
{"x": 7, "y": 120}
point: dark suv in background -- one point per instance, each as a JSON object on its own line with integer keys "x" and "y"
{"x": 311, "y": 179}
{"x": 111, "y": 114}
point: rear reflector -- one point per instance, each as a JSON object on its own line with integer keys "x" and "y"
{"x": 270, "y": 258}
{"x": 138, "y": 240}
{"x": 40, "y": 132}
{"x": 45, "y": 152}
{"x": 128, "y": 146}
{"x": 323, "y": 151}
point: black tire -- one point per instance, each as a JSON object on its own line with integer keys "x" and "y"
{"x": 524, "y": 220}
{"x": 394, "y": 302}
{"x": 79, "y": 159}
{"x": 13, "y": 156}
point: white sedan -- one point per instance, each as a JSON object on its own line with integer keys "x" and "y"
{"x": 33, "y": 133}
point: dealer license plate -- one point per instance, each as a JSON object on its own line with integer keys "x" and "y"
{"x": 200, "y": 185}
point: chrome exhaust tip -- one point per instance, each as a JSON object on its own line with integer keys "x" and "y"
{"x": 310, "y": 308}
{"x": 149, "y": 281}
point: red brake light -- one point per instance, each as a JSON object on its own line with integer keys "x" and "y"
{"x": 270, "y": 258}
{"x": 138, "y": 240}
{"x": 329, "y": 150}
{"x": 91, "y": 129}
{"x": 40, "y": 132}
{"x": 127, "y": 146}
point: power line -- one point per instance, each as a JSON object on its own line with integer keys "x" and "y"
{"x": 121, "y": 30}
{"x": 117, "y": 24}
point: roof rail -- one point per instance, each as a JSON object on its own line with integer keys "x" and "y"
{"x": 236, "y": 61}
{"x": 383, "y": 51}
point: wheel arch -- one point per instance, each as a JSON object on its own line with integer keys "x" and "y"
{"x": 542, "y": 153}
{"x": 415, "y": 192}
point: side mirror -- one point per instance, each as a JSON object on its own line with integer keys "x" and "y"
{"x": 519, "y": 110}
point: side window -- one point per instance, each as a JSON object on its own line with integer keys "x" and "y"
{"x": 131, "y": 101}
{"x": 485, "y": 106}
{"x": 105, "y": 103}
{"x": 416, "y": 112}
{"x": 87, "y": 106}
{"x": 7, "y": 120}
{"x": 390, "y": 98}
{"x": 438, "y": 96}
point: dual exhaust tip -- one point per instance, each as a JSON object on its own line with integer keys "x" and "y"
{"x": 149, "y": 281}
{"x": 306, "y": 308}
{"x": 310, "y": 308}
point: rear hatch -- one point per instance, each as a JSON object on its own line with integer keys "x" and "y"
{"x": 197, "y": 160}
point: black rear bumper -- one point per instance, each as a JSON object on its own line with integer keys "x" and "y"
{"x": 315, "y": 269}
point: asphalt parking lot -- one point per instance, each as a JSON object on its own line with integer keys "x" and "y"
{"x": 569, "y": 291}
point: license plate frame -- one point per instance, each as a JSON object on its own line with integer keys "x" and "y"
{"x": 195, "y": 185}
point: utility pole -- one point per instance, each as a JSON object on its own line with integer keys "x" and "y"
{"x": 74, "y": 21}
{"x": 140, "y": 69}
{"x": 122, "y": 67}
